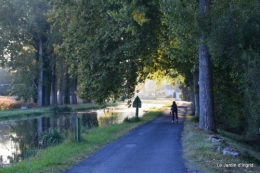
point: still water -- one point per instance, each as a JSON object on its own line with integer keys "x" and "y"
{"x": 19, "y": 136}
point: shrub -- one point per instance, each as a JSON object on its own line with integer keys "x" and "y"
{"x": 8, "y": 103}
{"x": 11, "y": 103}
{"x": 52, "y": 137}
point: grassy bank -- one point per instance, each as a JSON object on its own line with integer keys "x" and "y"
{"x": 11, "y": 113}
{"x": 18, "y": 113}
{"x": 68, "y": 153}
{"x": 203, "y": 155}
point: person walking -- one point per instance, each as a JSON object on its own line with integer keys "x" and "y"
{"x": 174, "y": 111}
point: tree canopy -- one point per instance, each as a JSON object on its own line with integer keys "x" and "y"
{"x": 102, "y": 49}
{"x": 111, "y": 42}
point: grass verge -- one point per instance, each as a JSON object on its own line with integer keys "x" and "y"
{"x": 202, "y": 154}
{"x": 68, "y": 153}
{"x": 12, "y": 113}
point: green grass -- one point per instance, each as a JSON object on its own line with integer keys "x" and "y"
{"x": 12, "y": 113}
{"x": 18, "y": 112}
{"x": 36, "y": 111}
{"x": 201, "y": 153}
{"x": 68, "y": 153}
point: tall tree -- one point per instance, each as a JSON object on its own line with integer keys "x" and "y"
{"x": 54, "y": 83}
{"x": 233, "y": 44}
{"x": 40, "y": 79}
{"x": 187, "y": 21}
{"x": 207, "y": 121}
{"x": 109, "y": 49}
{"x": 179, "y": 43}
{"x": 24, "y": 35}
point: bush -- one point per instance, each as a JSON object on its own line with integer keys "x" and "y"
{"x": 52, "y": 137}
{"x": 11, "y": 103}
{"x": 6, "y": 102}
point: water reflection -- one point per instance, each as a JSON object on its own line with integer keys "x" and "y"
{"x": 109, "y": 118}
{"x": 19, "y": 139}
{"x": 89, "y": 120}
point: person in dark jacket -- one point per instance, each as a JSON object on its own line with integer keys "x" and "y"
{"x": 174, "y": 111}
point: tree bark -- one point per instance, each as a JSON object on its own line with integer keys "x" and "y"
{"x": 67, "y": 88}
{"x": 61, "y": 90}
{"x": 53, "y": 123}
{"x": 39, "y": 132}
{"x": 40, "y": 80}
{"x": 73, "y": 90}
{"x": 60, "y": 124}
{"x": 46, "y": 94}
{"x": 207, "y": 121}
{"x": 54, "y": 85}
{"x": 196, "y": 92}
{"x": 39, "y": 126}
{"x": 192, "y": 96}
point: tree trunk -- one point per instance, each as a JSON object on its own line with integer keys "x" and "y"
{"x": 54, "y": 85}
{"x": 207, "y": 121}
{"x": 47, "y": 94}
{"x": 53, "y": 123}
{"x": 196, "y": 92}
{"x": 73, "y": 90}
{"x": 67, "y": 88}
{"x": 40, "y": 80}
{"x": 46, "y": 123}
{"x": 192, "y": 96}
{"x": 39, "y": 132}
{"x": 39, "y": 126}
{"x": 61, "y": 90}
{"x": 60, "y": 124}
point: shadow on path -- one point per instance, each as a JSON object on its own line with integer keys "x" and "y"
{"x": 154, "y": 147}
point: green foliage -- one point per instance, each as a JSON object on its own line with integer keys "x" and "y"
{"x": 251, "y": 94}
{"x": 107, "y": 51}
{"x": 233, "y": 43}
{"x": 23, "y": 25}
{"x": 110, "y": 53}
{"x": 232, "y": 36}
{"x": 52, "y": 137}
{"x": 179, "y": 43}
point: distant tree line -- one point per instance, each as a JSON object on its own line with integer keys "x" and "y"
{"x": 27, "y": 48}
{"x": 101, "y": 50}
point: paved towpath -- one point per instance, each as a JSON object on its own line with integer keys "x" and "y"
{"x": 151, "y": 148}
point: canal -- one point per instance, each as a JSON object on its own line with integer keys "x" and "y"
{"x": 20, "y": 138}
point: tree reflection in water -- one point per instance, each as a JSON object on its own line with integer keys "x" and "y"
{"x": 21, "y": 139}
{"x": 89, "y": 120}
{"x": 109, "y": 118}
